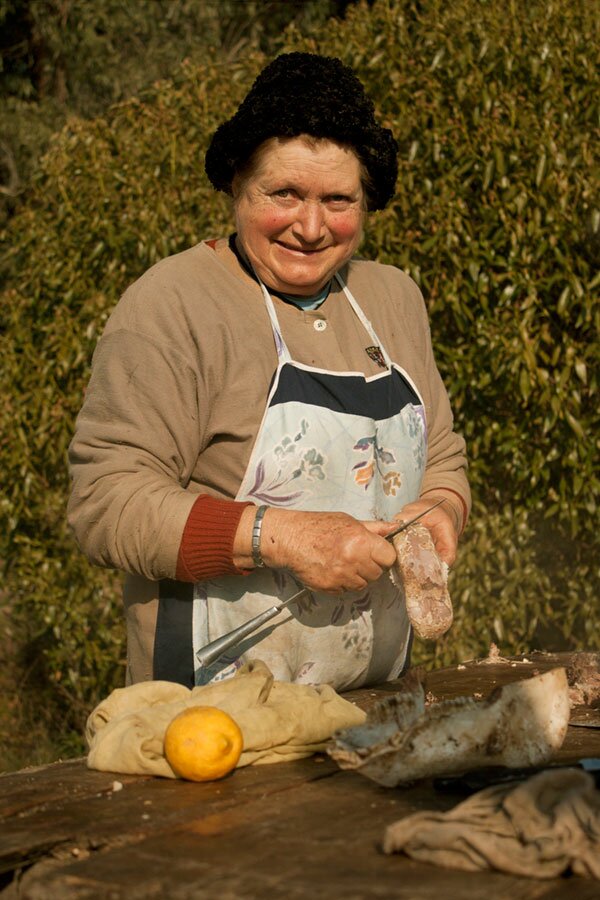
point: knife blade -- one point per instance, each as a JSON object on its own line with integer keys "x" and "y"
{"x": 585, "y": 718}
{"x": 405, "y": 525}
{"x": 479, "y": 779}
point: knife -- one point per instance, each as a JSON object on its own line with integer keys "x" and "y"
{"x": 213, "y": 650}
{"x": 479, "y": 779}
{"x": 420, "y": 515}
{"x": 585, "y": 718}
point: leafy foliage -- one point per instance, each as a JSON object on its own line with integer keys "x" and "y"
{"x": 497, "y": 218}
{"x": 75, "y": 57}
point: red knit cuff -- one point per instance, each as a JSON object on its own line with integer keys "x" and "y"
{"x": 206, "y": 549}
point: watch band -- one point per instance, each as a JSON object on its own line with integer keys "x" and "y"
{"x": 256, "y": 530}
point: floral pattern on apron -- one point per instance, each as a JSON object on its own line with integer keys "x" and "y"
{"x": 328, "y": 441}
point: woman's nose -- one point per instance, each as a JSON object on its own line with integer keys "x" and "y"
{"x": 309, "y": 221}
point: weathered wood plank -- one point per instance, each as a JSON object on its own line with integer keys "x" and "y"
{"x": 480, "y": 677}
{"x": 43, "y": 786}
{"x": 142, "y": 807}
{"x": 318, "y": 840}
{"x": 477, "y": 677}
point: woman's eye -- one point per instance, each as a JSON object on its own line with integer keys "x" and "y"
{"x": 339, "y": 200}
{"x": 283, "y": 193}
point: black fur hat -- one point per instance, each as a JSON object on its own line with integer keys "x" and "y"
{"x": 305, "y": 93}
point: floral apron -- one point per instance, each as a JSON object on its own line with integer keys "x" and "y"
{"x": 328, "y": 441}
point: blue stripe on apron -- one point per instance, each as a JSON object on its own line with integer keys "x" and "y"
{"x": 343, "y": 393}
{"x": 173, "y": 648}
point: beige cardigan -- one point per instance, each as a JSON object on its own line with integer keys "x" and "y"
{"x": 178, "y": 388}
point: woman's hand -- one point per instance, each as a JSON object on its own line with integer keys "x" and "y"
{"x": 329, "y": 552}
{"x": 441, "y": 522}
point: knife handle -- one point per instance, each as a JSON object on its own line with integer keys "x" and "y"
{"x": 212, "y": 651}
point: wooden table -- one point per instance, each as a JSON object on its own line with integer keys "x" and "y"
{"x": 294, "y": 830}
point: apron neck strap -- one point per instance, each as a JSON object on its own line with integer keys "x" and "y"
{"x": 363, "y": 319}
{"x": 283, "y": 354}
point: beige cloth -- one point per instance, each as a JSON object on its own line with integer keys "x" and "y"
{"x": 540, "y": 829}
{"x": 279, "y": 721}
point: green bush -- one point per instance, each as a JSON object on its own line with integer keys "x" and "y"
{"x": 496, "y": 216}
{"x": 76, "y": 58}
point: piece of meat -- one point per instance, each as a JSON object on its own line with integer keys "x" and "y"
{"x": 424, "y": 579}
{"x": 584, "y": 679}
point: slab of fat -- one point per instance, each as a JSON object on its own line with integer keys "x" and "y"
{"x": 520, "y": 724}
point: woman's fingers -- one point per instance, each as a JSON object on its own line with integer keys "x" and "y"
{"x": 444, "y": 538}
{"x": 382, "y": 553}
{"x": 378, "y": 526}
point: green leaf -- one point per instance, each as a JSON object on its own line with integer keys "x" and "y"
{"x": 540, "y": 171}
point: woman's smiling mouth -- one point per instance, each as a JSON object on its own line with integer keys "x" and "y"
{"x": 301, "y": 250}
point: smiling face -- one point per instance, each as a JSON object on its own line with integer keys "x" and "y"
{"x": 299, "y": 212}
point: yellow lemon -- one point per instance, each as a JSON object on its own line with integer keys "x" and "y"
{"x": 203, "y": 743}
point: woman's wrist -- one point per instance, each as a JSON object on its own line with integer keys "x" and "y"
{"x": 256, "y": 537}
{"x": 207, "y": 540}
{"x": 274, "y": 532}
{"x": 242, "y": 541}
{"x": 276, "y": 537}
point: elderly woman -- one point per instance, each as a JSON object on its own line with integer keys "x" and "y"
{"x": 261, "y": 408}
